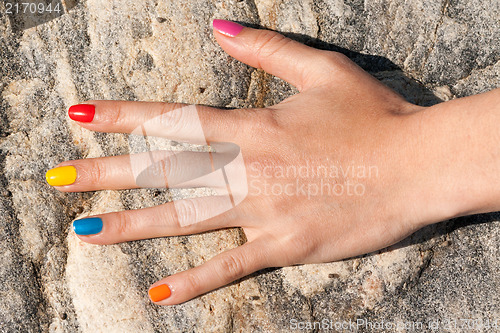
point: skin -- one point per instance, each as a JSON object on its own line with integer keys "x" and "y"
{"x": 431, "y": 164}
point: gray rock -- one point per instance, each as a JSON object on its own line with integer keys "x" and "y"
{"x": 164, "y": 51}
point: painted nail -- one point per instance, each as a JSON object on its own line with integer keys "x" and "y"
{"x": 82, "y": 112}
{"x": 65, "y": 175}
{"x": 88, "y": 226}
{"x": 227, "y": 28}
{"x": 159, "y": 293}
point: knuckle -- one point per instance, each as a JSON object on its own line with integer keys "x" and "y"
{"x": 271, "y": 121}
{"x": 123, "y": 223}
{"x": 336, "y": 60}
{"x": 261, "y": 120}
{"x": 114, "y": 114}
{"x": 303, "y": 244}
{"x": 165, "y": 216}
{"x": 187, "y": 212}
{"x": 193, "y": 283}
{"x": 164, "y": 168}
{"x": 268, "y": 43}
{"x": 294, "y": 248}
{"x": 178, "y": 120}
{"x": 98, "y": 172}
{"x": 170, "y": 165}
{"x": 232, "y": 266}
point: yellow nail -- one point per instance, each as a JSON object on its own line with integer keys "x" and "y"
{"x": 65, "y": 175}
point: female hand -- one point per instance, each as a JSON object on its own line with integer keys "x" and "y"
{"x": 343, "y": 168}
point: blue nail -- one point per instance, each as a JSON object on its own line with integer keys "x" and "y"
{"x": 88, "y": 226}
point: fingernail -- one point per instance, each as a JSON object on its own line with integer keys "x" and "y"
{"x": 82, "y": 112}
{"x": 88, "y": 226}
{"x": 65, "y": 175}
{"x": 159, "y": 293}
{"x": 227, "y": 28}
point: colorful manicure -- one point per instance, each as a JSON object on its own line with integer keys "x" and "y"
{"x": 82, "y": 112}
{"x": 227, "y": 28}
{"x": 88, "y": 226}
{"x": 159, "y": 293}
{"x": 65, "y": 175}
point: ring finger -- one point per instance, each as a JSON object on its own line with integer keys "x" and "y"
{"x": 182, "y": 217}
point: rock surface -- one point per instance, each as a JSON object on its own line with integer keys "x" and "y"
{"x": 164, "y": 51}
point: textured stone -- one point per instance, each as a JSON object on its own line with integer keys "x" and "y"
{"x": 164, "y": 51}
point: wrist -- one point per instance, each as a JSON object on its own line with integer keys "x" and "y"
{"x": 456, "y": 152}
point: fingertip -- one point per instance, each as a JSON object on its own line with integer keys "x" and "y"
{"x": 95, "y": 230}
{"x": 83, "y": 113}
{"x": 88, "y": 226}
{"x": 159, "y": 292}
{"x": 227, "y": 28}
{"x": 61, "y": 175}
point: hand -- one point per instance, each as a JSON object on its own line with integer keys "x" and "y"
{"x": 340, "y": 169}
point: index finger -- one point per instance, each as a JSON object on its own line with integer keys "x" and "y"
{"x": 180, "y": 122}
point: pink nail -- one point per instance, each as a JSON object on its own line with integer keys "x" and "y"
{"x": 227, "y": 28}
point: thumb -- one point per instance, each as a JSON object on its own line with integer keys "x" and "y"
{"x": 302, "y": 66}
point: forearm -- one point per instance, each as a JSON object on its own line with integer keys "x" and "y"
{"x": 460, "y": 154}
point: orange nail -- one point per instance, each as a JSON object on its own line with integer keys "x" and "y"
{"x": 159, "y": 293}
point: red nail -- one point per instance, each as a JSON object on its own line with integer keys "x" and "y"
{"x": 82, "y": 112}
